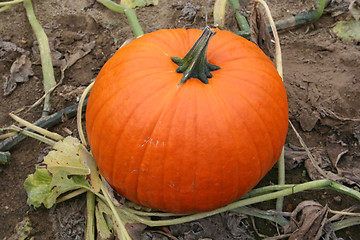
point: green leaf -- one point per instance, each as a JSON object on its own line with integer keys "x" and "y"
{"x": 138, "y": 3}
{"x": 66, "y": 157}
{"x": 73, "y": 158}
{"x": 37, "y": 186}
{"x": 67, "y": 168}
{"x": 44, "y": 188}
{"x": 104, "y": 230}
{"x": 62, "y": 183}
{"x": 348, "y": 31}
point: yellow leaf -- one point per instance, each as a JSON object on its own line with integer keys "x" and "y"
{"x": 66, "y": 157}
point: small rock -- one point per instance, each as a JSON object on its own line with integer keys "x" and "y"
{"x": 337, "y": 199}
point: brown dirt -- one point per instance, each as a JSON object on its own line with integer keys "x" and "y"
{"x": 321, "y": 74}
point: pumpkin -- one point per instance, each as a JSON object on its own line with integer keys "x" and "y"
{"x": 187, "y": 129}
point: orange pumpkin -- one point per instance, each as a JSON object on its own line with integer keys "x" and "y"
{"x": 181, "y": 142}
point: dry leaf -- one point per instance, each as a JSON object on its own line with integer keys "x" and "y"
{"x": 188, "y": 13}
{"x": 20, "y": 71}
{"x": 315, "y": 172}
{"x": 335, "y": 150}
{"x": 259, "y": 32}
{"x": 79, "y": 52}
{"x": 294, "y": 156}
{"x": 308, "y": 119}
{"x": 6, "y": 47}
{"x": 312, "y": 218}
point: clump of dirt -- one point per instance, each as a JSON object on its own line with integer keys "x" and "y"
{"x": 321, "y": 75}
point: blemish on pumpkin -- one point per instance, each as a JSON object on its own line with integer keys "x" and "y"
{"x": 152, "y": 141}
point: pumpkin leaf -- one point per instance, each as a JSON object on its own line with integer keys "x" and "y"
{"x": 66, "y": 157}
{"x": 104, "y": 209}
{"x": 348, "y": 31}
{"x": 61, "y": 183}
{"x": 73, "y": 158}
{"x": 138, "y": 3}
{"x": 102, "y": 226}
{"x": 37, "y": 186}
{"x": 44, "y": 188}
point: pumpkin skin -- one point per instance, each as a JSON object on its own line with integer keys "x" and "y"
{"x": 192, "y": 147}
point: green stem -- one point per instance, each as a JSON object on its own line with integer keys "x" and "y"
{"x": 303, "y": 17}
{"x": 345, "y": 223}
{"x": 297, "y": 20}
{"x": 130, "y": 14}
{"x": 291, "y": 189}
{"x": 154, "y": 214}
{"x": 241, "y": 20}
{"x": 121, "y": 230}
{"x": 281, "y": 180}
{"x": 90, "y": 216}
{"x": 46, "y": 133}
{"x": 219, "y": 13}
{"x": 6, "y": 135}
{"x": 45, "y": 55}
{"x": 71, "y": 195}
{"x": 3, "y": 9}
{"x": 134, "y": 23}
{"x": 343, "y": 189}
{"x": 9, "y": 3}
{"x": 272, "y": 216}
{"x": 47, "y": 122}
{"x": 267, "y": 189}
{"x": 79, "y": 114}
{"x": 33, "y": 135}
{"x": 195, "y": 63}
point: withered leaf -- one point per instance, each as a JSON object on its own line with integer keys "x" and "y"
{"x": 20, "y": 71}
{"x": 294, "y": 156}
{"x": 259, "y": 32}
{"x": 335, "y": 150}
{"x": 349, "y": 175}
{"x": 6, "y": 47}
{"x": 312, "y": 218}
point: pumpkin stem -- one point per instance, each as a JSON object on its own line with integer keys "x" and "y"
{"x": 195, "y": 63}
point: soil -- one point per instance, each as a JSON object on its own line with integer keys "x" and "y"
{"x": 321, "y": 75}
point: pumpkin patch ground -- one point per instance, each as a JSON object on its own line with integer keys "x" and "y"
{"x": 321, "y": 77}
